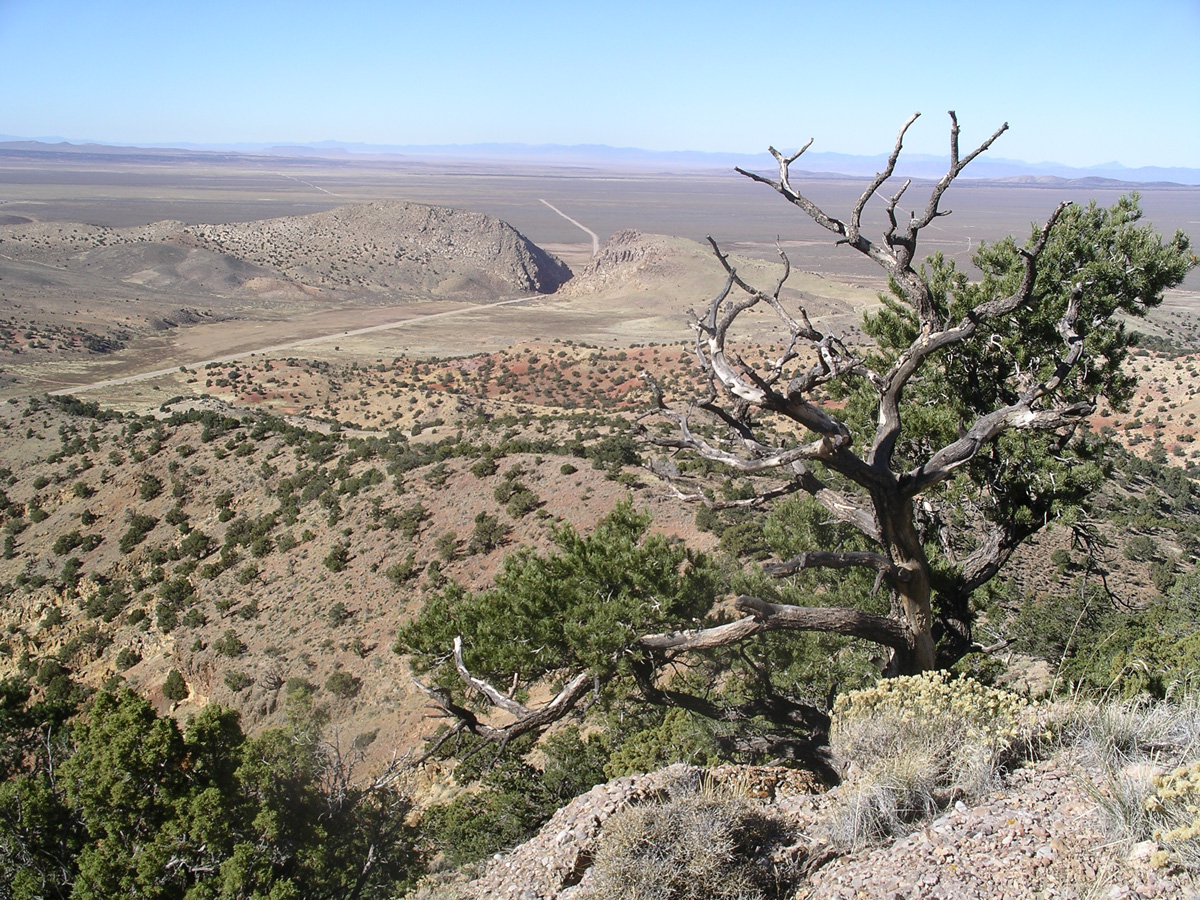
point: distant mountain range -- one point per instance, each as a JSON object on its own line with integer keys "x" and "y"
{"x": 601, "y": 156}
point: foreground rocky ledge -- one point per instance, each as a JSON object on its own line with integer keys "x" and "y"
{"x": 1039, "y": 834}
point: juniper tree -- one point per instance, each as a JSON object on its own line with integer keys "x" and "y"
{"x": 931, "y": 455}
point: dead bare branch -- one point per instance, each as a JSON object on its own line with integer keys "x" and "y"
{"x": 828, "y": 559}
{"x": 526, "y": 719}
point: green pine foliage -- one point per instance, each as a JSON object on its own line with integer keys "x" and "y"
{"x": 135, "y": 807}
{"x": 577, "y": 608}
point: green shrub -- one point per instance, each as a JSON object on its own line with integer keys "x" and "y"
{"x": 487, "y": 535}
{"x": 196, "y": 545}
{"x": 127, "y": 658}
{"x": 237, "y": 681}
{"x": 165, "y": 617}
{"x": 139, "y": 527}
{"x": 446, "y": 546}
{"x": 407, "y": 521}
{"x": 1141, "y": 548}
{"x": 175, "y": 688}
{"x": 677, "y": 738}
{"x": 65, "y": 543}
{"x": 484, "y": 467}
{"x": 403, "y": 571}
{"x": 522, "y": 502}
{"x": 149, "y": 487}
{"x": 338, "y": 558}
{"x": 229, "y": 644}
{"x": 342, "y": 684}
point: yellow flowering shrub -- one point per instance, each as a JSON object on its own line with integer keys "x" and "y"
{"x": 913, "y": 744}
{"x": 969, "y": 710}
{"x": 1174, "y": 807}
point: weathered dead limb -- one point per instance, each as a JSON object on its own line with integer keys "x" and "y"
{"x": 828, "y": 559}
{"x": 898, "y": 249}
{"x": 526, "y": 719}
{"x": 764, "y": 617}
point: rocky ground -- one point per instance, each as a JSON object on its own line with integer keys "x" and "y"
{"x": 1040, "y": 834}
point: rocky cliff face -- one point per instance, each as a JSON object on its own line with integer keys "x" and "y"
{"x": 1039, "y": 833}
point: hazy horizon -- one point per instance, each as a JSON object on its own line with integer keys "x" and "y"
{"x": 1080, "y": 90}
{"x": 603, "y": 156}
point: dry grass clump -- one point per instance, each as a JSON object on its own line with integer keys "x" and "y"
{"x": 915, "y": 744}
{"x": 1140, "y": 762}
{"x": 704, "y": 846}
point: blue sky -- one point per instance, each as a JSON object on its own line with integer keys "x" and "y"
{"x": 1080, "y": 83}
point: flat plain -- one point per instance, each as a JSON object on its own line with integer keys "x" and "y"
{"x": 114, "y": 190}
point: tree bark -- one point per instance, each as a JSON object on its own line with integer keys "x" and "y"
{"x": 912, "y": 596}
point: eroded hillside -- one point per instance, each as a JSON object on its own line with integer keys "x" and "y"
{"x": 72, "y": 290}
{"x": 259, "y": 557}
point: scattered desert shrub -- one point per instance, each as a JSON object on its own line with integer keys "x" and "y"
{"x": 338, "y": 558}
{"x": 237, "y": 681}
{"x": 149, "y": 487}
{"x": 446, "y": 546}
{"x": 229, "y": 644}
{"x": 487, "y": 535}
{"x": 702, "y": 846}
{"x": 342, "y": 684}
{"x": 139, "y": 527}
{"x": 484, "y": 466}
{"x": 65, "y": 543}
{"x": 403, "y": 571}
{"x": 915, "y": 744}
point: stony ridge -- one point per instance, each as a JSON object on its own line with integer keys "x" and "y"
{"x": 626, "y": 257}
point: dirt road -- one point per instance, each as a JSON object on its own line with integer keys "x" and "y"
{"x": 275, "y": 348}
{"x": 595, "y": 237}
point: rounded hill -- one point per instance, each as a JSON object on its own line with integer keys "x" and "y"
{"x": 394, "y": 246}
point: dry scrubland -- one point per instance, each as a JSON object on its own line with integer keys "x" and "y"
{"x": 262, "y": 525}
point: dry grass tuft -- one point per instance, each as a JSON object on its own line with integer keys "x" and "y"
{"x": 1140, "y": 762}
{"x": 917, "y": 744}
{"x": 710, "y": 845}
